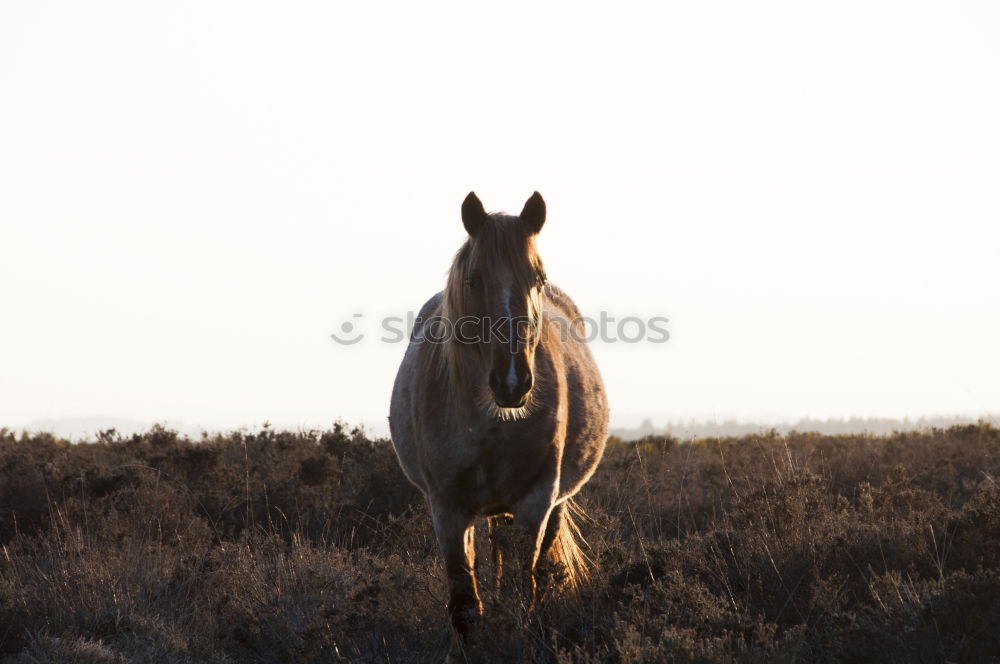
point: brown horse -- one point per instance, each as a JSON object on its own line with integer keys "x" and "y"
{"x": 498, "y": 406}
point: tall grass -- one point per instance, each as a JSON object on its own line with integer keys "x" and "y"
{"x": 312, "y": 547}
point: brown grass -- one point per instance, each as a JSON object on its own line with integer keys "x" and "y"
{"x": 311, "y": 547}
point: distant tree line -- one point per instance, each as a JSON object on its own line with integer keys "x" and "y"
{"x": 692, "y": 428}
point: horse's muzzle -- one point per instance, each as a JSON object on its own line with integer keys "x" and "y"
{"x": 507, "y": 396}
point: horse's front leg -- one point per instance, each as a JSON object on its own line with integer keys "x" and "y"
{"x": 455, "y": 532}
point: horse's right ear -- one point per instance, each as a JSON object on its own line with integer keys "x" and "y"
{"x": 533, "y": 214}
{"x": 473, "y": 213}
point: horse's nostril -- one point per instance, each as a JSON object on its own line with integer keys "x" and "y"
{"x": 494, "y": 381}
{"x": 527, "y": 382}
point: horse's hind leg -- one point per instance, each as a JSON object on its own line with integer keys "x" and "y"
{"x": 493, "y": 525}
{"x": 552, "y": 527}
{"x": 530, "y": 523}
{"x": 552, "y": 568}
{"x": 455, "y": 537}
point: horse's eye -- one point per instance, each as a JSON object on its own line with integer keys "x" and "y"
{"x": 470, "y": 282}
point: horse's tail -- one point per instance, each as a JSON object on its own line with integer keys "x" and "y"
{"x": 565, "y": 548}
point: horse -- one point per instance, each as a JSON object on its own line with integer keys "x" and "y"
{"x": 498, "y": 407}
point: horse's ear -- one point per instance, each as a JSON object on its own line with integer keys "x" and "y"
{"x": 533, "y": 214}
{"x": 473, "y": 213}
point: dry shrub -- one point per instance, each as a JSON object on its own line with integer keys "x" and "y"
{"x": 277, "y": 546}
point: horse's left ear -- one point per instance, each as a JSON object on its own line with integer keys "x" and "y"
{"x": 473, "y": 214}
{"x": 533, "y": 214}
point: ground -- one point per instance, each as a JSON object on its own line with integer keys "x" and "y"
{"x": 311, "y": 547}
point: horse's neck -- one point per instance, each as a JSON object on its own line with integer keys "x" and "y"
{"x": 459, "y": 376}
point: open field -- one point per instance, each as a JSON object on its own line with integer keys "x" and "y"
{"x": 311, "y": 547}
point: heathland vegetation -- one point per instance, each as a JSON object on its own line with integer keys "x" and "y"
{"x": 277, "y": 546}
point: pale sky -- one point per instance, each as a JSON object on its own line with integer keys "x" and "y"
{"x": 194, "y": 195}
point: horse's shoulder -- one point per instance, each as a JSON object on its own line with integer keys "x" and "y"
{"x": 431, "y": 308}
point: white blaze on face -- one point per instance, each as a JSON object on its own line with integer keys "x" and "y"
{"x": 511, "y": 373}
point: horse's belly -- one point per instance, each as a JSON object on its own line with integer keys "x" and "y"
{"x": 498, "y": 476}
{"x": 495, "y": 510}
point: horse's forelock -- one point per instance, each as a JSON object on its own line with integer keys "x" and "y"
{"x": 502, "y": 244}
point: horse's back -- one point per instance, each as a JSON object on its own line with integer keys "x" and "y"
{"x": 562, "y": 303}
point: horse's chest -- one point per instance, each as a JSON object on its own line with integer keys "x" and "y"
{"x": 492, "y": 472}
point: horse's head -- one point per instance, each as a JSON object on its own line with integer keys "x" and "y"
{"x": 493, "y": 298}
